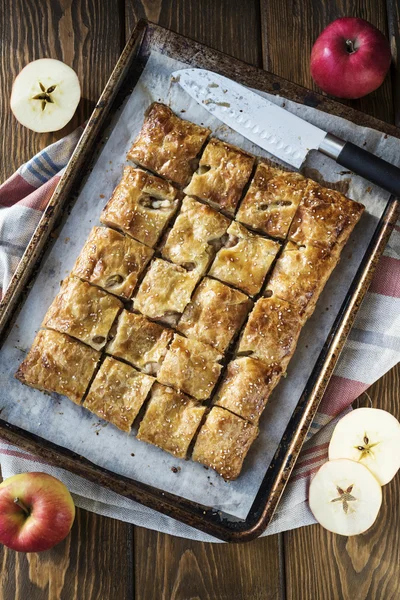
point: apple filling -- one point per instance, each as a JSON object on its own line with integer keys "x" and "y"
{"x": 156, "y": 203}
{"x": 114, "y": 280}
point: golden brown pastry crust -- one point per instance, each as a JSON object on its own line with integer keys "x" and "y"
{"x": 271, "y": 200}
{"x": 190, "y": 366}
{"x": 324, "y": 217}
{"x": 83, "y": 311}
{"x": 223, "y": 442}
{"x": 271, "y": 332}
{"x": 196, "y": 235}
{"x": 168, "y": 145}
{"x": 245, "y": 260}
{"x": 171, "y": 420}
{"x": 165, "y": 291}
{"x": 223, "y": 172}
{"x": 246, "y": 387}
{"x": 112, "y": 261}
{"x": 118, "y": 393}
{"x": 140, "y": 342}
{"x": 300, "y": 274}
{"x": 141, "y": 206}
{"x": 215, "y": 314}
{"x": 57, "y": 363}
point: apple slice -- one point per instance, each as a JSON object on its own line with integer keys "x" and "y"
{"x": 345, "y": 497}
{"x": 45, "y": 95}
{"x": 371, "y": 437}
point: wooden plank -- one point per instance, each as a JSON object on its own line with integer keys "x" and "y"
{"x": 322, "y": 565}
{"x": 96, "y": 560}
{"x": 393, "y": 15}
{"x": 86, "y": 35}
{"x": 93, "y": 563}
{"x": 169, "y": 568}
{"x": 290, "y": 29}
{"x": 232, "y": 26}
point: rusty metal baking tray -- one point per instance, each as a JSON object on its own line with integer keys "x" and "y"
{"x": 145, "y": 38}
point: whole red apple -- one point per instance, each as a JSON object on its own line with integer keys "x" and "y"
{"x": 350, "y": 58}
{"x": 36, "y": 512}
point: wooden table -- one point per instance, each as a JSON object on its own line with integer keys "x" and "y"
{"x": 105, "y": 559}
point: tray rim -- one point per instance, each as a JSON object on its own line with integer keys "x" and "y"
{"x": 144, "y": 36}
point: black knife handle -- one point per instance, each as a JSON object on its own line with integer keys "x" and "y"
{"x": 380, "y": 172}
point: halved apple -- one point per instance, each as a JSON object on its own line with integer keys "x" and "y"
{"x": 371, "y": 437}
{"x": 45, "y": 95}
{"x": 345, "y": 497}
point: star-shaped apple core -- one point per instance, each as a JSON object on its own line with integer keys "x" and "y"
{"x": 345, "y": 497}
{"x": 366, "y": 449}
{"x": 45, "y": 95}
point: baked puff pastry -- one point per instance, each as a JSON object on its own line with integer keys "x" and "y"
{"x": 57, "y": 363}
{"x": 223, "y": 172}
{"x": 300, "y": 274}
{"x": 245, "y": 259}
{"x": 246, "y": 387}
{"x": 83, "y": 311}
{"x": 139, "y": 341}
{"x": 271, "y": 332}
{"x": 165, "y": 291}
{"x": 190, "y": 366}
{"x": 271, "y": 200}
{"x": 223, "y": 442}
{"x": 171, "y": 420}
{"x": 168, "y": 145}
{"x": 112, "y": 261}
{"x": 141, "y": 206}
{"x": 324, "y": 217}
{"x": 215, "y": 314}
{"x": 198, "y": 232}
{"x": 117, "y": 393}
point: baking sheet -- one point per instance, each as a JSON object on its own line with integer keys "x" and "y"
{"x": 59, "y": 420}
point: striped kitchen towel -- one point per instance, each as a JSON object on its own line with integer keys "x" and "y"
{"x": 373, "y": 347}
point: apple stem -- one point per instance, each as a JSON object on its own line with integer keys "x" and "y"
{"x": 350, "y": 46}
{"x": 23, "y": 506}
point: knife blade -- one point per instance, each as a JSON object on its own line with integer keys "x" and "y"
{"x": 279, "y": 132}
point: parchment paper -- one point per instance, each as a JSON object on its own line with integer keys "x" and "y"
{"x": 60, "y": 421}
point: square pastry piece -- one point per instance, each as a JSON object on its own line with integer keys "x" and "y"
{"x": 112, "y": 261}
{"x": 168, "y": 145}
{"x": 165, "y": 291}
{"x": 223, "y": 442}
{"x": 141, "y": 206}
{"x": 117, "y": 393}
{"x": 271, "y": 333}
{"x": 197, "y": 234}
{"x": 83, "y": 311}
{"x": 57, "y": 363}
{"x": 300, "y": 275}
{"x": 245, "y": 259}
{"x": 223, "y": 172}
{"x": 215, "y": 314}
{"x": 324, "y": 217}
{"x": 190, "y": 366}
{"x": 271, "y": 200}
{"x": 171, "y": 420}
{"x": 246, "y": 387}
{"x": 140, "y": 342}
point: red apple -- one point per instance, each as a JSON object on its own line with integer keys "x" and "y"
{"x": 350, "y": 58}
{"x": 36, "y": 512}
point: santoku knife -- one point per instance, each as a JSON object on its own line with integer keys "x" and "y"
{"x": 278, "y": 131}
